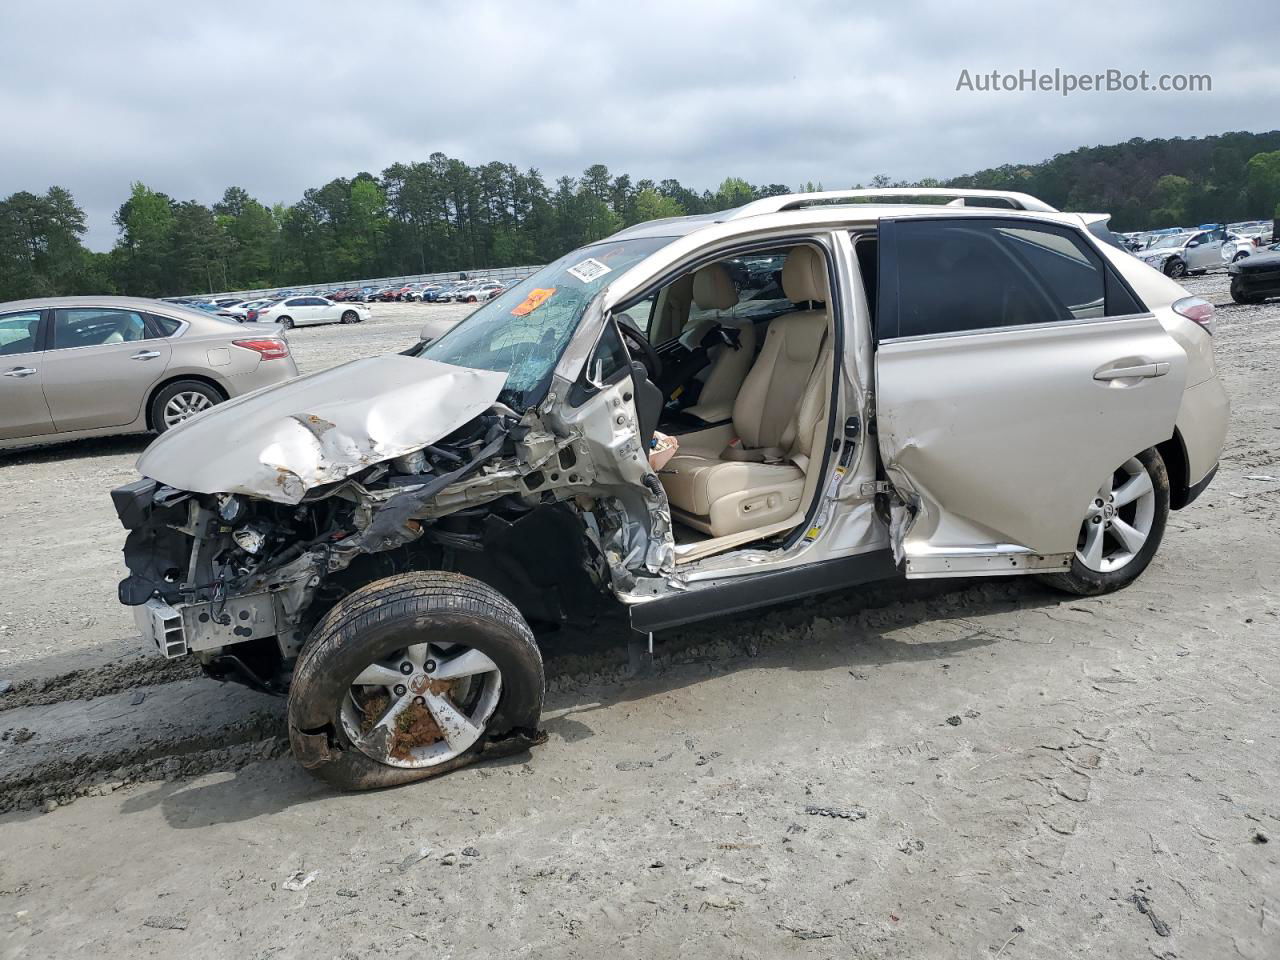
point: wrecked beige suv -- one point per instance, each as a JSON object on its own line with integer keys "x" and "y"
{"x": 858, "y": 385}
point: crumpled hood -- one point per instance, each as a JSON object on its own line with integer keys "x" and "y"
{"x": 279, "y": 442}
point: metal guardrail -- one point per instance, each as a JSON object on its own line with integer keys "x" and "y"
{"x": 500, "y": 274}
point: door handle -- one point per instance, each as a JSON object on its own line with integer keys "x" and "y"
{"x": 145, "y": 355}
{"x": 20, "y": 372}
{"x": 1132, "y": 371}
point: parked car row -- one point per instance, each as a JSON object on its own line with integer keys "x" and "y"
{"x": 427, "y": 291}
{"x": 1178, "y": 251}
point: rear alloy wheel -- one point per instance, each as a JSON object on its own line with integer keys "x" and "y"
{"x": 181, "y": 401}
{"x": 409, "y": 677}
{"x": 349, "y": 316}
{"x": 1122, "y": 528}
{"x": 286, "y": 322}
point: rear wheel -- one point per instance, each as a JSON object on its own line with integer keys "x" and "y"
{"x": 181, "y": 401}
{"x": 1122, "y": 528}
{"x": 408, "y": 677}
{"x": 286, "y": 322}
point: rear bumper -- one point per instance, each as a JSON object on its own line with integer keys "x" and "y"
{"x": 265, "y": 374}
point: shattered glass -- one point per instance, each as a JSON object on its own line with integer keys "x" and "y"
{"x": 523, "y": 332}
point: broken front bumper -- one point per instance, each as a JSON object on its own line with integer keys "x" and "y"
{"x": 177, "y": 630}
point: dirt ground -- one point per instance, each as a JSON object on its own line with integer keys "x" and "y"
{"x": 950, "y": 769}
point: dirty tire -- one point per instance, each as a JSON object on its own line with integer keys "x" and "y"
{"x": 286, "y": 322}
{"x": 349, "y": 316}
{"x": 178, "y": 387}
{"x": 1084, "y": 582}
{"x": 382, "y": 617}
{"x": 1175, "y": 268}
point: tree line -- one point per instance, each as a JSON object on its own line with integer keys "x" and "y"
{"x": 443, "y": 214}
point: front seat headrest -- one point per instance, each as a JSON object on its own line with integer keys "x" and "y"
{"x": 713, "y": 289}
{"x": 804, "y": 275}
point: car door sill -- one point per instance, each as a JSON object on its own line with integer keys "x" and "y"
{"x": 992, "y": 560}
{"x": 733, "y": 595}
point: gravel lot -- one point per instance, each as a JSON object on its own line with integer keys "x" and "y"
{"x": 962, "y": 769}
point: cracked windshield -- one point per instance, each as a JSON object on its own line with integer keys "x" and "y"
{"x": 524, "y": 331}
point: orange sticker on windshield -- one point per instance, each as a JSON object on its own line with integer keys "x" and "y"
{"x": 533, "y": 301}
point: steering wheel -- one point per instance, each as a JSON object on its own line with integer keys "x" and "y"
{"x": 639, "y": 346}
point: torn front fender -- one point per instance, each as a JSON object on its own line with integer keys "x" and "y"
{"x": 282, "y": 441}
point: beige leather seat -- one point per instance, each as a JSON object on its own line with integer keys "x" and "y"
{"x": 759, "y": 479}
{"x": 713, "y": 289}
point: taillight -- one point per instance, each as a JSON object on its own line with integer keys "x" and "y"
{"x": 268, "y": 348}
{"x": 1196, "y": 309}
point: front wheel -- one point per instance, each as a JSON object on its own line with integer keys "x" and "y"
{"x": 1240, "y": 295}
{"x": 1122, "y": 528}
{"x": 1175, "y": 268}
{"x": 349, "y": 316}
{"x": 409, "y": 677}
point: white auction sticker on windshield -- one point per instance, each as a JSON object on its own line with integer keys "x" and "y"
{"x": 588, "y": 270}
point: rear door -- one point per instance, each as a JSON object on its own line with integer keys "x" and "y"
{"x": 1015, "y": 370}
{"x": 100, "y": 366}
{"x": 23, "y": 410}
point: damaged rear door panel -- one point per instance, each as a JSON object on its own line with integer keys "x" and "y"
{"x": 999, "y": 410}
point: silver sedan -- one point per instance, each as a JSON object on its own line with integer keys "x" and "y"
{"x": 74, "y": 367}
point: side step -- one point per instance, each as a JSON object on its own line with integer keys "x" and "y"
{"x": 718, "y": 598}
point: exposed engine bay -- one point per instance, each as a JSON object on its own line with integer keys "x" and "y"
{"x": 552, "y": 513}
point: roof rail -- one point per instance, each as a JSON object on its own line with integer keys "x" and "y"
{"x": 795, "y": 201}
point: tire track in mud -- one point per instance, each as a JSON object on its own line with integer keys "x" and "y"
{"x": 89, "y": 683}
{"x": 259, "y": 736}
{"x": 178, "y": 724}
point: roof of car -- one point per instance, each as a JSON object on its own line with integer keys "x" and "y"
{"x": 991, "y": 203}
{"x": 137, "y": 303}
{"x": 833, "y": 208}
{"x": 831, "y": 214}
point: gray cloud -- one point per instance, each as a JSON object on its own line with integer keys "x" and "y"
{"x": 277, "y": 97}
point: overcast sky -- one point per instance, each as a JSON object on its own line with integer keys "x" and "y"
{"x": 280, "y": 96}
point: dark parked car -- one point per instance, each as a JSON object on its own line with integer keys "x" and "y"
{"x": 1255, "y": 278}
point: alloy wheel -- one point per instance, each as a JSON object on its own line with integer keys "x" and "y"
{"x": 1119, "y": 519}
{"x": 184, "y": 406}
{"x": 423, "y": 705}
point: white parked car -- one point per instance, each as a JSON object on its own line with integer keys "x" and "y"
{"x": 301, "y": 311}
{"x": 1196, "y": 251}
{"x": 922, "y": 392}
